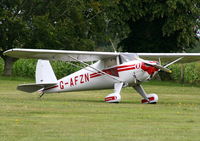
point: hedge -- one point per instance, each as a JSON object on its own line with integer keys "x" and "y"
{"x": 26, "y": 68}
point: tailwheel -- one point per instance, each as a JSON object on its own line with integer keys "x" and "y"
{"x": 152, "y": 99}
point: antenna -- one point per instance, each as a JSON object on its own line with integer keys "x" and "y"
{"x": 113, "y": 45}
{"x": 117, "y": 58}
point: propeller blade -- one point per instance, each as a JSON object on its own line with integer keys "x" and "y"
{"x": 162, "y": 68}
{"x": 156, "y": 65}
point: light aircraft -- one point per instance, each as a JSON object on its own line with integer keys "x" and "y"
{"x": 108, "y": 70}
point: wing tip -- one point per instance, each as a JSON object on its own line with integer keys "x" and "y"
{"x": 7, "y": 52}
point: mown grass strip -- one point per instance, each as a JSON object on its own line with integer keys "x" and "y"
{"x": 84, "y": 116}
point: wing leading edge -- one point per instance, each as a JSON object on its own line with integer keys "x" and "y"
{"x": 168, "y": 57}
{"x": 63, "y": 55}
{"x": 87, "y": 56}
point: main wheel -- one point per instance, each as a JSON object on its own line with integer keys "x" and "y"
{"x": 113, "y": 98}
{"x": 152, "y": 99}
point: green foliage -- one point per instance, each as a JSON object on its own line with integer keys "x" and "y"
{"x": 88, "y": 24}
{"x": 196, "y": 49}
{"x": 60, "y": 24}
{"x": 13, "y": 29}
{"x": 191, "y": 73}
{"x": 160, "y": 26}
{"x": 147, "y": 26}
{"x": 1, "y": 66}
{"x": 147, "y": 36}
{"x": 62, "y": 69}
{"x": 26, "y": 68}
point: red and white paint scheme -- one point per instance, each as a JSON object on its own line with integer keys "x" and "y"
{"x": 109, "y": 70}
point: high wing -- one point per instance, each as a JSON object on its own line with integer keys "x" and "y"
{"x": 87, "y": 56}
{"x": 64, "y": 55}
{"x": 168, "y": 57}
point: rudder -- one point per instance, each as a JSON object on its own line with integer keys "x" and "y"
{"x": 44, "y": 72}
{"x": 44, "y": 77}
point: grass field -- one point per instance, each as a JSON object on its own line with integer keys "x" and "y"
{"x": 83, "y": 116}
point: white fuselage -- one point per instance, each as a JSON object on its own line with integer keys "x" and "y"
{"x": 87, "y": 78}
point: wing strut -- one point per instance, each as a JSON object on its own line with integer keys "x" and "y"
{"x": 173, "y": 62}
{"x": 95, "y": 69}
{"x": 167, "y": 65}
{"x": 80, "y": 67}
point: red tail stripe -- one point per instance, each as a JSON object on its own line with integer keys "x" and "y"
{"x": 51, "y": 87}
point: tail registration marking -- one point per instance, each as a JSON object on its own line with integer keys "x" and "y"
{"x": 73, "y": 81}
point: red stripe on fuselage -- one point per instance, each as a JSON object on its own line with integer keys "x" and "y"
{"x": 96, "y": 75}
{"x": 126, "y": 69}
{"x": 51, "y": 87}
{"x": 118, "y": 68}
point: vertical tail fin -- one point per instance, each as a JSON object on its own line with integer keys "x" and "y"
{"x": 44, "y": 76}
{"x": 44, "y": 72}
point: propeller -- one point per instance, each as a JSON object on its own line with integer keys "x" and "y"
{"x": 156, "y": 65}
{"x": 159, "y": 66}
{"x": 163, "y": 68}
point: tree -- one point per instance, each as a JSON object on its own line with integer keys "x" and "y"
{"x": 60, "y": 24}
{"x": 147, "y": 36}
{"x": 159, "y": 26}
{"x": 12, "y": 30}
{"x": 149, "y": 25}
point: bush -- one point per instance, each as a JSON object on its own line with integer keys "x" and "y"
{"x": 26, "y": 68}
{"x": 191, "y": 73}
{"x": 1, "y": 66}
{"x": 62, "y": 69}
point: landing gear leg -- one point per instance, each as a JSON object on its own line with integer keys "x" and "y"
{"x": 147, "y": 98}
{"x": 41, "y": 95}
{"x": 115, "y": 97}
{"x": 41, "y": 92}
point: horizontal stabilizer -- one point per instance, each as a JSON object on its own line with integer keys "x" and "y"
{"x": 30, "y": 88}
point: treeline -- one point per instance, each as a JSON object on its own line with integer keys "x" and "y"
{"x": 132, "y": 25}
{"x": 182, "y": 73}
